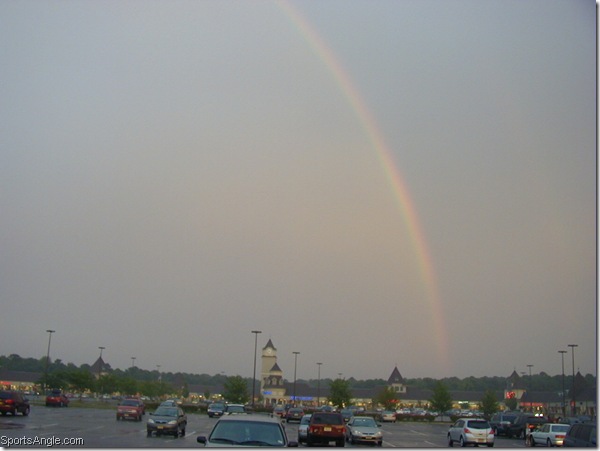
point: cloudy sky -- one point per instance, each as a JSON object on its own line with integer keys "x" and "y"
{"x": 369, "y": 183}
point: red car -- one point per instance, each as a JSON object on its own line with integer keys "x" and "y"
{"x": 57, "y": 398}
{"x": 130, "y": 408}
{"x": 13, "y": 402}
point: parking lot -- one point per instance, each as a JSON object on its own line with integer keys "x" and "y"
{"x": 98, "y": 428}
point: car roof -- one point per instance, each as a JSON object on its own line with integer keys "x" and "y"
{"x": 251, "y": 418}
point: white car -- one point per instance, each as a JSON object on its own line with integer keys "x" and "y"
{"x": 233, "y": 431}
{"x": 303, "y": 428}
{"x": 471, "y": 431}
{"x": 549, "y": 434}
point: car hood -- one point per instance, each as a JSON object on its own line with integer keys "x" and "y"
{"x": 165, "y": 418}
{"x": 364, "y": 429}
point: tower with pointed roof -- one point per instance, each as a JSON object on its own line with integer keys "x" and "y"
{"x": 271, "y": 382}
{"x": 396, "y": 382}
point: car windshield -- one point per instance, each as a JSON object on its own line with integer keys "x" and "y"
{"x": 166, "y": 411}
{"x": 305, "y": 419}
{"x": 217, "y": 406}
{"x": 130, "y": 402}
{"x": 560, "y": 428}
{"x": 323, "y": 418}
{"x": 249, "y": 433}
{"x": 235, "y": 409}
{"x": 478, "y": 424}
{"x": 364, "y": 422}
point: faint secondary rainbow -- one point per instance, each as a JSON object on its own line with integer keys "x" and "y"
{"x": 390, "y": 169}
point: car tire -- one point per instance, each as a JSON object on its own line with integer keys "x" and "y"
{"x": 462, "y": 442}
{"x": 450, "y": 442}
{"x": 548, "y": 443}
{"x": 340, "y": 443}
{"x": 148, "y": 433}
{"x": 26, "y": 411}
{"x": 490, "y": 445}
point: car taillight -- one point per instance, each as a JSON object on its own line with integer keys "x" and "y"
{"x": 491, "y": 432}
{"x": 467, "y": 431}
{"x": 10, "y": 401}
{"x": 560, "y": 436}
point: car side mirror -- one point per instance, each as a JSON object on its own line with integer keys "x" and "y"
{"x": 201, "y": 439}
{"x": 292, "y": 444}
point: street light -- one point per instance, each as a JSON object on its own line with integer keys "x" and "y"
{"x": 255, "y": 332}
{"x": 573, "y": 385}
{"x": 295, "y": 365}
{"x": 562, "y": 357}
{"x": 530, "y": 386}
{"x": 158, "y": 370}
{"x": 133, "y": 362}
{"x": 50, "y": 332}
{"x": 319, "y": 384}
{"x": 102, "y": 348}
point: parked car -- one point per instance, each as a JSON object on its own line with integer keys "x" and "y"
{"x": 364, "y": 430}
{"x": 471, "y": 431}
{"x": 167, "y": 420}
{"x": 234, "y": 409}
{"x": 246, "y": 430}
{"x": 549, "y": 434}
{"x": 216, "y": 409}
{"x": 13, "y": 402}
{"x": 303, "y": 428}
{"x": 325, "y": 427}
{"x": 501, "y": 421}
{"x": 581, "y": 435}
{"x": 387, "y": 416}
{"x": 347, "y": 414}
{"x": 130, "y": 408}
{"x": 169, "y": 403}
{"x": 57, "y": 398}
{"x": 294, "y": 414}
{"x": 279, "y": 410}
{"x": 524, "y": 421}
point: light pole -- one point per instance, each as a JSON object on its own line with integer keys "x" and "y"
{"x": 50, "y": 332}
{"x": 255, "y": 332}
{"x": 158, "y": 369}
{"x": 530, "y": 385}
{"x": 573, "y": 385}
{"x": 562, "y": 357}
{"x": 133, "y": 362}
{"x": 319, "y": 383}
{"x": 295, "y": 365}
{"x": 102, "y": 348}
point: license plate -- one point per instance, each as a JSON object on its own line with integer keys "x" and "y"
{"x": 160, "y": 427}
{"x": 327, "y": 429}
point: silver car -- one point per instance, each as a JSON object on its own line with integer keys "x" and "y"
{"x": 471, "y": 431}
{"x": 303, "y": 428}
{"x": 363, "y": 430}
{"x": 246, "y": 430}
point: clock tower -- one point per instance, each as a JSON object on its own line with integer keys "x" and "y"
{"x": 271, "y": 380}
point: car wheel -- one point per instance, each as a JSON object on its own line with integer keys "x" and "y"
{"x": 340, "y": 443}
{"x": 183, "y": 432}
{"x": 462, "y": 442}
{"x": 148, "y": 433}
{"x": 450, "y": 442}
{"x": 548, "y": 443}
{"x": 26, "y": 411}
{"x": 490, "y": 445}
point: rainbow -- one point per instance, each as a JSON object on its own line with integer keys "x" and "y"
{"x": 392, "y": 172}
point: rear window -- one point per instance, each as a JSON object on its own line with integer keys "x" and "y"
{"x": 327, "y": 418}
{"x": 5, "y": 395}
{"x": 478, "y": 424}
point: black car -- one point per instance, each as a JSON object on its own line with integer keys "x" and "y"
{"x": 500, "y": 422}
{"x": 581, "y": 435}
{"x": 13, "y": 402}
{"x": 216, "y": 409}
{"x": 524, "y": 420}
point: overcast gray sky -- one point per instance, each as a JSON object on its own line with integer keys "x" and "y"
{"x": 370, "y": 183}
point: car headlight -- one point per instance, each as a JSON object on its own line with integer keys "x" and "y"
{"x": 173, "y": 422}
{"x": 150, "y": 421}
{"x": 378, "y": 434}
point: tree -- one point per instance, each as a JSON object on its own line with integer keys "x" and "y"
{"x": 489, "y": 404}
{"x": 80, "y": 380}
{"x": 387, "y": 398}
{"x": 340, "y": 393}
{"x": 441, "y": 400}
{"x": 235, "y": 390}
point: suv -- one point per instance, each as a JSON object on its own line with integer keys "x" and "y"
{"x": 581, "y": 435}
{"x": 13, "y": 402}
{"x": 524, "y": 420}
{"x": 501, "y": 421}
{"x": 325, "y": 427}
{"x": 130, "y": 408}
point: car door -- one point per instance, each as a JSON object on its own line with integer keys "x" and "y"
{"x": 456, "y": 429}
